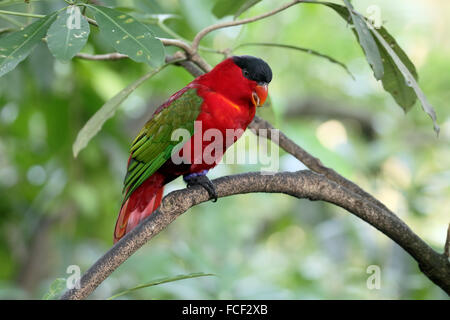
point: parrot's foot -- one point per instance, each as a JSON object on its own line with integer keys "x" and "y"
{"x": 200, "y": 178}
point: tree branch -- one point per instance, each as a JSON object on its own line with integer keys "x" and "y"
{"x": 205, "y": 31}
{"x": 175, "y": 43}
{"x": 302, "y": 185}
{"x": 97, "y": 57}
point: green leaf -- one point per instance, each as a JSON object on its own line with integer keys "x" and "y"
{"x": 95, "y": 123}
{"x": 409, "y": 79}
{"x": 247, "y": 5}
{"x": 68, "y": 34}
{"x": 392, "y": 80}
{"x": 161, "y": 281}
{"x": 16, "y": 46}
{"x": 129, "y": 36}
{"x": 367, "y": 42}
{"x": 55, "y": 290}
{"x": 224, "y": 8}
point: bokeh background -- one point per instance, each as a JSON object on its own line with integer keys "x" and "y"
{"x": 57, "y": 211}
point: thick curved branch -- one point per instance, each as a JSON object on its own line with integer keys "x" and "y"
{"x": 301, "y": 184}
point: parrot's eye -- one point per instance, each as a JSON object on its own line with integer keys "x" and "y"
{"x": 245, "y": 72}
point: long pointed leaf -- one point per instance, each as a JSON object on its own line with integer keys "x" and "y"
{"x": 367, "y": 42}
{"x": 55, "y": 290}
{"x": 393, "y": 79}
{"x": 400, "y": 76}
{"x": 161, "y": 281}
{"x": 95, "y": 123}
{"x": 16, "y": 46}
{"x": 410, "y": 80}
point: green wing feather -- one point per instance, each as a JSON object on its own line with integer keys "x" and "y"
{"x": 153, "y": 146}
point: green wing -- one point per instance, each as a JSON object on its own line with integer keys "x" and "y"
{"x": 153, "y": 146}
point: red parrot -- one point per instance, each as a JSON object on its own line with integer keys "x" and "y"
{"x": 223, "y": 99}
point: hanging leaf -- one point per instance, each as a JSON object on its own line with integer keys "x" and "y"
{"x": 393, "y": 79}
{"x": 68, "y": 34}
{"x": 129, "y": 36}
{"x": 247, "y": 5}
{"x": 161, "y": 281}
{"x": 224, "y": 8}
{"x": 367, "y": 42}
{"x": 15, "y": 47}
{"x": 95, "y": 123}
{"x": 409, "y": 79}
{"x": 400, "y": 75}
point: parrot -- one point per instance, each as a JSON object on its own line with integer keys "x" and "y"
{"x": 222, "y": 99}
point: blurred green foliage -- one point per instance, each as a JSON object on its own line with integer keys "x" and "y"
{"x": 58, "y": 211}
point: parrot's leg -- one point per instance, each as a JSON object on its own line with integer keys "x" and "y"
{"x": 200, "y": 178}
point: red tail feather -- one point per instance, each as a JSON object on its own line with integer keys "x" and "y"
{"x": 142, "y": 202}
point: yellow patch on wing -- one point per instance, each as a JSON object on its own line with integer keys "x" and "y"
{"x": 231, "y": 103}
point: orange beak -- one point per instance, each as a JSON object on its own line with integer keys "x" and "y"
{"x": 259, "y": 95}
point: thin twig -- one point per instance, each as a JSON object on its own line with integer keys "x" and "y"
{"x": 189, "y": 66}
{"x": 106, "y": 56}
{"x": 21, "y": 14}
{"x": 10, "y": 20}
{"x": 306, "y": 50}
{"x": 205, "y": 31}
{"x": 91, "y": 21}
{"x": 176, "y": 43}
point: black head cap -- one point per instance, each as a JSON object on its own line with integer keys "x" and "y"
{"x": 254, "y": 68}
